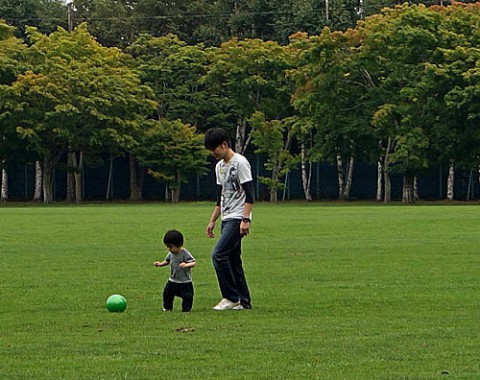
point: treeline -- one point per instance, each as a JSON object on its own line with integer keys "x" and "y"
{"x": 120, "y": 22}
{"x": 399, "y": 89}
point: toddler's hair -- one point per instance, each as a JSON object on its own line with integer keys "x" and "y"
{"x": 173, "y": 237}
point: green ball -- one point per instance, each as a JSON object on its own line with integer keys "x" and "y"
{"x": 116, "y": 303}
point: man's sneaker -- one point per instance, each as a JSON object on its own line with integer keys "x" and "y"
{"x": 226, "y": 304}
{"x": 238, "y": 307}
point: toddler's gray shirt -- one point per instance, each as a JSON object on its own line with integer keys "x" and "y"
{"x": 180, "y": 275}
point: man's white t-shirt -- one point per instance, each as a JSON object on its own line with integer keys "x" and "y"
{"x": 231, "y": 176}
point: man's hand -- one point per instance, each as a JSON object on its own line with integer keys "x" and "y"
{"x": 210, "y": 228}
{"x": 244, "y": 228}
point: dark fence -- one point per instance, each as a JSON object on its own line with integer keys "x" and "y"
{"x": 324, "y": 186}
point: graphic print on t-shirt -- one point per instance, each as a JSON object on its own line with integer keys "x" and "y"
{"x": 233, "y": 196}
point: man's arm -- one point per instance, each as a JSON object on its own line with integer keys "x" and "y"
{"x": 215, "y": 214}
{"x": 211, "y": 223}
{"x": 249, "y": 195}
{"x": 247, "y": 209}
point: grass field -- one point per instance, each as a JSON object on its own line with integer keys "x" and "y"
{"x": 339, "y": 292}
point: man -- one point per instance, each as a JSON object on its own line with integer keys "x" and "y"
{"x": 234, "y": 205}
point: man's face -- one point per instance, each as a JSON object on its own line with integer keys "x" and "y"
{"x": 220, "y": 151}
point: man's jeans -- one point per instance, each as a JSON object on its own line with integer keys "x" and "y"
{"x": 226, "y": 257}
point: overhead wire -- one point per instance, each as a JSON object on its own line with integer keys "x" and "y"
{"x": 185, "y": 15}
{"x": 161, "y": 17}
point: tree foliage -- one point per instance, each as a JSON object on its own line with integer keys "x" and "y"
{"x": 78, "y": 96}
{"x": 45, "y": 15}
{"x": 249, "y": 76}
{"x": 399, "y": 86}
{"x": 174, "y": 70}
{"x": 172, "y": 151}
{"x": 12, "y": 63}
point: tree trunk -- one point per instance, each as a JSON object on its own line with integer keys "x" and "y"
{"x": 348, "y": 185}
{"x": 274, "y": 195}
{"x": 70, "y": 177}
{"x": 110, "y": 180}
{"x": 240, "y": 137}
{"x": 306, "y": 168}
{"x": 47, "y": 182}
{"x": 37, "y": 195}
{"x": 408, "y": 183}
{"x": 470, "y": 185}
{"x": 4, "y": 191}
{"x": 360, "y": 10}
{"x": 341, "y": 179}
{"x": 451, "y": 181}
{"x": 78, "y": 165}
{"x": 379, "y": 181}
{"x": 176, "y": 190}
{"x": 345, "y": 178}
{"x": 274, "y": 188}
{"x": 415, "y": 189}
{"x": 479, "y": 174}
{"x": 388, "y": 187}
{"x": 168, "y": 195}
{"x": 136, "y": 179}
{"x": 386, "y": 175}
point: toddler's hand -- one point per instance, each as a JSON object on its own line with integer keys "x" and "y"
{"x": 156, "y": 263}
{"x": 182, "y": 265}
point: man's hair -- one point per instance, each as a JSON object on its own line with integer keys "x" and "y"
{"x": 215, "y": 137}
{"x": 173, "y": 237}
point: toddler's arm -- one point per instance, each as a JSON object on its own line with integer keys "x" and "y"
{"x": 160, "y": 263}
{"x": 191, "y": 264}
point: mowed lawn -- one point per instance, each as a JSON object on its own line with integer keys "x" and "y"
{"x": 340, "y": 291}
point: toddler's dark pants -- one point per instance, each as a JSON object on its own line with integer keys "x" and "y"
{"x": 182, "y": 290}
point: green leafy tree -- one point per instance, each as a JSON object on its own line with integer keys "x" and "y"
{"x": 450, "y": 85}
{"x": 330, "y": 96}
{"x": 46, "y": 15}
{"x": 398, "y": 45}
{"x": 159, "y": 18}
{"x": 82, "y": 99}
{"x": 249, "y": 76}
{"x": 172, "y": 151}
{"x": 12, "y": 148}
{"x": 310, "y": 16}
{"x": 273, "y": 137}
{"x": 173, "y": 69}
{"x": 112, "y": 22}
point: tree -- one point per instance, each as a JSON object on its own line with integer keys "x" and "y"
{"x": 273, "y": 137}
{"x": 112, "y": 22}
{"x": 159, "y": 18}
{"x": 249, "y": 76}
{"x": 45, "y": 15}
{"x": 450, "y": 84}
{"x": 172, "y": 151}
{"x": 312, "y": 16}
{"x": 330, "y": 96}
{"x": 82, "y": 98}
{"x": 11, "y": 64}
{"x": 173, "y": 69}
{"x": 398, "y": 44}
